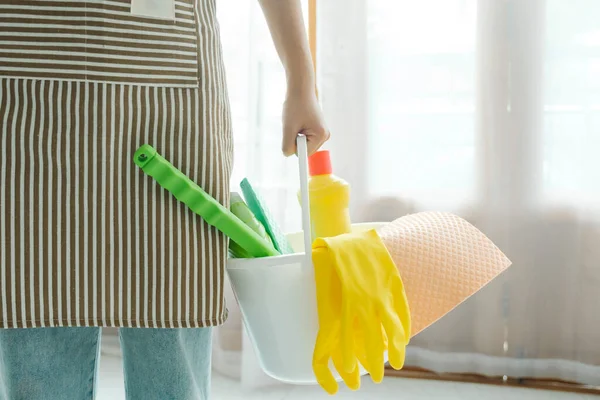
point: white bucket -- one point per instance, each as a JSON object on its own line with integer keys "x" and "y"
{"x": 277, "y": 300}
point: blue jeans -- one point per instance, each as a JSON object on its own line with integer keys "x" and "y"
{"x": 62, "y": 363}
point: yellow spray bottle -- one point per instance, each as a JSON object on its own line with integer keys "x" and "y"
{"x": 329, "y": 198}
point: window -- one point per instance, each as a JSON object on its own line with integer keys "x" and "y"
{"x": 571, "y": 139}
{"x": 421, "y": 85}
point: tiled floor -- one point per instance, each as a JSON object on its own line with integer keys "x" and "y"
{"x": 111, "y": 388}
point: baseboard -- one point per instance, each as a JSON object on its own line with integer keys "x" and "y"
{"x": 532, "y": 383}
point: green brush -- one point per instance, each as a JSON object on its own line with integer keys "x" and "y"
{"x": 200, "y": 202}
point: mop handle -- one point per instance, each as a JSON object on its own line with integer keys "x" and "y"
{"x": 200, "y": 202}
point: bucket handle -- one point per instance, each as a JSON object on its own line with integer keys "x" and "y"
{"x": 304, "y": 198}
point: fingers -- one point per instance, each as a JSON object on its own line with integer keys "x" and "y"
{"x": 315, "y": 138}
{"x": 396, "y": 338}
{"x": 351, "y": 379}
{"x": 347, "y": 339}
{"x": 373, "y": 346}
{"x": 288, "y": 144}
{"x": 321, "y": 356}
{"x": 359, "y": 344}
{"x": 325, "y": 378}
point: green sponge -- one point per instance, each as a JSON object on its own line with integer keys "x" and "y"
{"x": 239, "y": 208}
{"x": 262, "y": 214}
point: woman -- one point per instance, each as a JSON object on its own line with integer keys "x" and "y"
{"x": 86, "y": 240}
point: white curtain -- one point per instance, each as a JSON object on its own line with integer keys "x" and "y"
{"x": 486, "y": 108}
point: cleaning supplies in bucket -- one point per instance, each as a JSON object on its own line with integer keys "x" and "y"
{"x": 239, "y": 208}
{"x": 439, "y": 260}
{"x": 200, "y": 202}
{"x": 329, "y": 198}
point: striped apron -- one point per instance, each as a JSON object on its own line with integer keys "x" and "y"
{"x": 86, "y": 239}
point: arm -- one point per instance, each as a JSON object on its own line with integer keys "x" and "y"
{"x": 301, "y": 111}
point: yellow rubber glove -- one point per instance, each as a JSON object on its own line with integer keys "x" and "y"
{"x": 327, "y": 346}
{"x": 359, "y": 292}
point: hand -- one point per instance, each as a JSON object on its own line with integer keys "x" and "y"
{"x": 302, "y": 114}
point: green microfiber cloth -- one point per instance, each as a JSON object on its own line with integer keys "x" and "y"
{"x": 262, "y": 214}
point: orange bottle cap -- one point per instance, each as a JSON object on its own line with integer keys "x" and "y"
{"x": 319, "y": 163}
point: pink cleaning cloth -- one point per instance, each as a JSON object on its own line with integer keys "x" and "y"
{"x": 442, "y": 260}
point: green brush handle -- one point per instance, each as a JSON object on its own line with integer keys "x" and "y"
{"x": 200, "y": 202}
